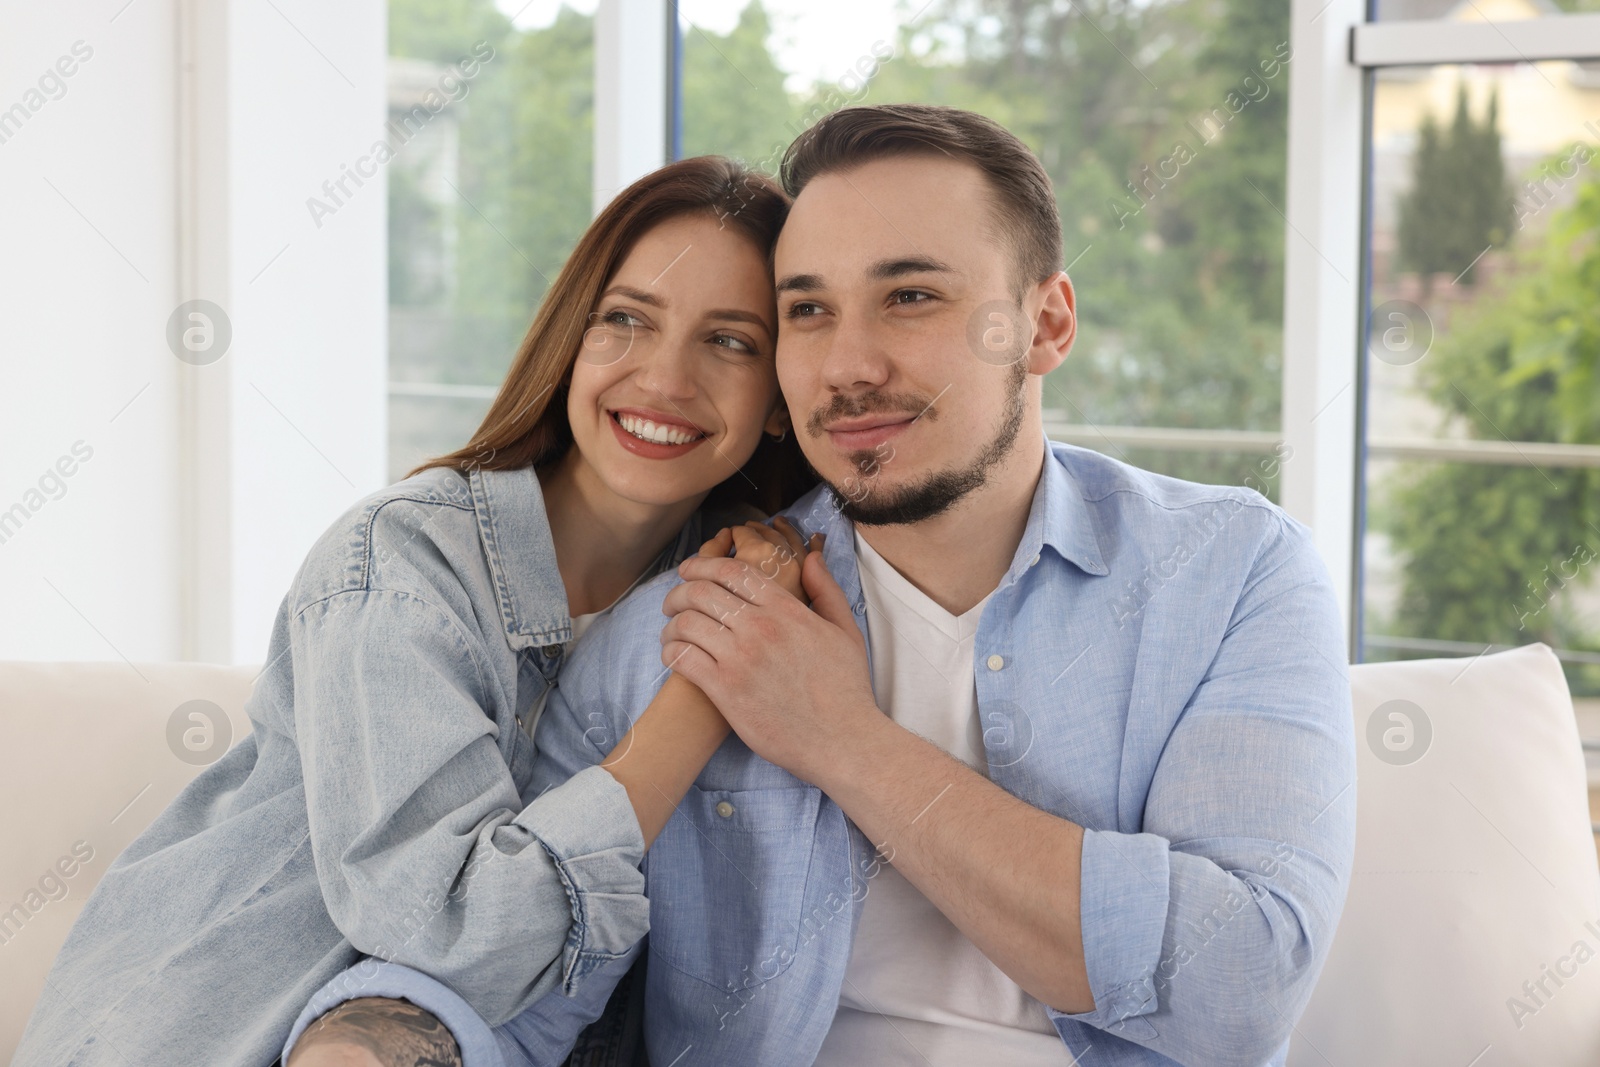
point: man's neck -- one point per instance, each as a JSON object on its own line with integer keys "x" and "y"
{"x": 958, "y": 558}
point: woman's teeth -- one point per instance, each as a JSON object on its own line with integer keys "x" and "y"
{"x": 646, "y": 430}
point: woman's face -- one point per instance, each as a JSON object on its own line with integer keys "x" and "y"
{"x": 674, "y": 382}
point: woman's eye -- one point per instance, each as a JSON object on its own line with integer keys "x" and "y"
{"x": 618, "y": 317}
{"x": 736, "y": 344}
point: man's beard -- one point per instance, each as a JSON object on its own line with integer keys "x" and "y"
{"x": 940, "y": 491}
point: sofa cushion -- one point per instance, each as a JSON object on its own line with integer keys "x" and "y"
{"x": 1471, "y": 934}
{"x": 92, "y": 752}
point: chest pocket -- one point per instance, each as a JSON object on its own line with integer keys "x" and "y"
{"x": 727, "y": 880}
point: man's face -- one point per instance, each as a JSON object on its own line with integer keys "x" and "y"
{"x": 901, "y": 351}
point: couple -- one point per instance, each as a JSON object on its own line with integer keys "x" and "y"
{"x": 898, "y": 778}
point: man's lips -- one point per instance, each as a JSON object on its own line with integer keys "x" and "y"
{"x": 853, "y": 435}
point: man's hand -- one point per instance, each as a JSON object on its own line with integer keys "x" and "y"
{"x": 784, "y": 676}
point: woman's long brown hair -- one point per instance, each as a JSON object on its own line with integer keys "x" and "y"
{"x": 527, "y": 423}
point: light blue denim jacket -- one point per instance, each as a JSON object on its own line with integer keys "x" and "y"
{"x": 381, "y": 806}
{"x": 1172, "y": 678}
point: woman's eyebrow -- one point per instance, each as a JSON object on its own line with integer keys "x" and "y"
{"x": 635, "y": 294}
{"x": 736, "y": 315}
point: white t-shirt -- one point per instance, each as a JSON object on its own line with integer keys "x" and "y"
{"x": 917, "y": 992}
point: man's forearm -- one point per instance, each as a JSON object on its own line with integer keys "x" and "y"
{"x": 1004, "y": 872}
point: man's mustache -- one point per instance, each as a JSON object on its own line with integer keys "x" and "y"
{"x": 849, "y": 407}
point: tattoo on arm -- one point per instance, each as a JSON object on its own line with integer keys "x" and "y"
{"x": 396, "y": 1032}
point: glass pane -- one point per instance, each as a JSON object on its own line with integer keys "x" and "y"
{"x": 1477, "y": 10}
{"x": 1163, "y": 127}
{"x": 1484, "y": 337}
{"x": 489, "y": 188}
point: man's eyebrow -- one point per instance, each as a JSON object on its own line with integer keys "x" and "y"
{"x": 800, "y": 283}
{"x": 636, "y": 294}
{"x": 895, "y": 268}
{"x": 879, "y": 271}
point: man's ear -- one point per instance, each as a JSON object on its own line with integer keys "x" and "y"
{"x": 1055, "y": 323}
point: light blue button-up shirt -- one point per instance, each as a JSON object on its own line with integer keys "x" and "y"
{"x": 1170, "y": 675}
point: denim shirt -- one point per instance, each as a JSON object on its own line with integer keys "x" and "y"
{"x": 380, "y": 807}
{"x": 1163, "y": 663}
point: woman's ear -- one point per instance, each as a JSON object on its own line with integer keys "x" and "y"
{"x": 778, "y": 419}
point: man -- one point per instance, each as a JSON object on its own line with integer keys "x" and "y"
{"x": 1058, "y": 765}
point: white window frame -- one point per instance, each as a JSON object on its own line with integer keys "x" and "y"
{"x": 1325, "y": 290}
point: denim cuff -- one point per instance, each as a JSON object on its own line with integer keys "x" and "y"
{"x": 589, "y": 829}
{"x": 1123, "y": 897}
{"x": 480, "y": 1046}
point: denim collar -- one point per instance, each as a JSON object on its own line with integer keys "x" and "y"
{"x": 515, "y": 531}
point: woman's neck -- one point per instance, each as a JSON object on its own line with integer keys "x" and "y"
{"x": 603, "y": 542}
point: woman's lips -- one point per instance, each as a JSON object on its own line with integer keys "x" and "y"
{"x": 651, "y": 449}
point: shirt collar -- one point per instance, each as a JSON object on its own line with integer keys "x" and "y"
{"x": 1060, "y": 517}
{"x": 515, "y": 532}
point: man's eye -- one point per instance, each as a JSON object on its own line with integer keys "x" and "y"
{"x": 909, "y": 296}
{"x": 802, "y": 309}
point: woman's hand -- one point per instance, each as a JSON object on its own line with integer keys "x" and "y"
{"x": 776, "y": 552}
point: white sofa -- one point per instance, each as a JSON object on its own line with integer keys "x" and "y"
{"x": 1475, "y": 867}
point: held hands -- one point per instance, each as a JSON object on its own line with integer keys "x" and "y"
{"x": 776, "y": 553}
{"x": 792, "y": 681}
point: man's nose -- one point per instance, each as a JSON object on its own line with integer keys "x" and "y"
{"x": 856, "y": 356}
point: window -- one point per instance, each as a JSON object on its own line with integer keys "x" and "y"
{"x": 1480, "y": 481}
{"x": 489, "y": 189}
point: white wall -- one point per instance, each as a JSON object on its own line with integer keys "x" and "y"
{"x": 179, "y": 534}
{"x": 83, "y": 304}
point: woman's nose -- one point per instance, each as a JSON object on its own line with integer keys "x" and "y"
{"x": 668, "y": 369}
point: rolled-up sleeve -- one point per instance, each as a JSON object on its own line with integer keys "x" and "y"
{"x": 1205, "y": 932}
{"x": 425, "y": 851}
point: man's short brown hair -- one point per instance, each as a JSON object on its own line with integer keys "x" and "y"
{"x": 1024, "y": 201}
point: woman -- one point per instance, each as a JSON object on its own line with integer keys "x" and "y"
{"x": 378, "y": 808}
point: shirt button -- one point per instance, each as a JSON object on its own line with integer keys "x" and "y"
{"x": 996, "y": 662}
{"x": 724, "y": 809}
{"x": 550, "y": 651}
{"x": 1034, "y": 561}
{"x": 859, "y": 607}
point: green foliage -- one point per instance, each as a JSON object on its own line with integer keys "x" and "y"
{"x": 443, "y": 31}
{"x": 1459, "y": 203}
{"x": 1486, "y": 547}
{"x": 734, "y": 101}
{"x": 522, "y": 185}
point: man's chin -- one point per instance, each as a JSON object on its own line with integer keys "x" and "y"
{"x": 872, "y": 502}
